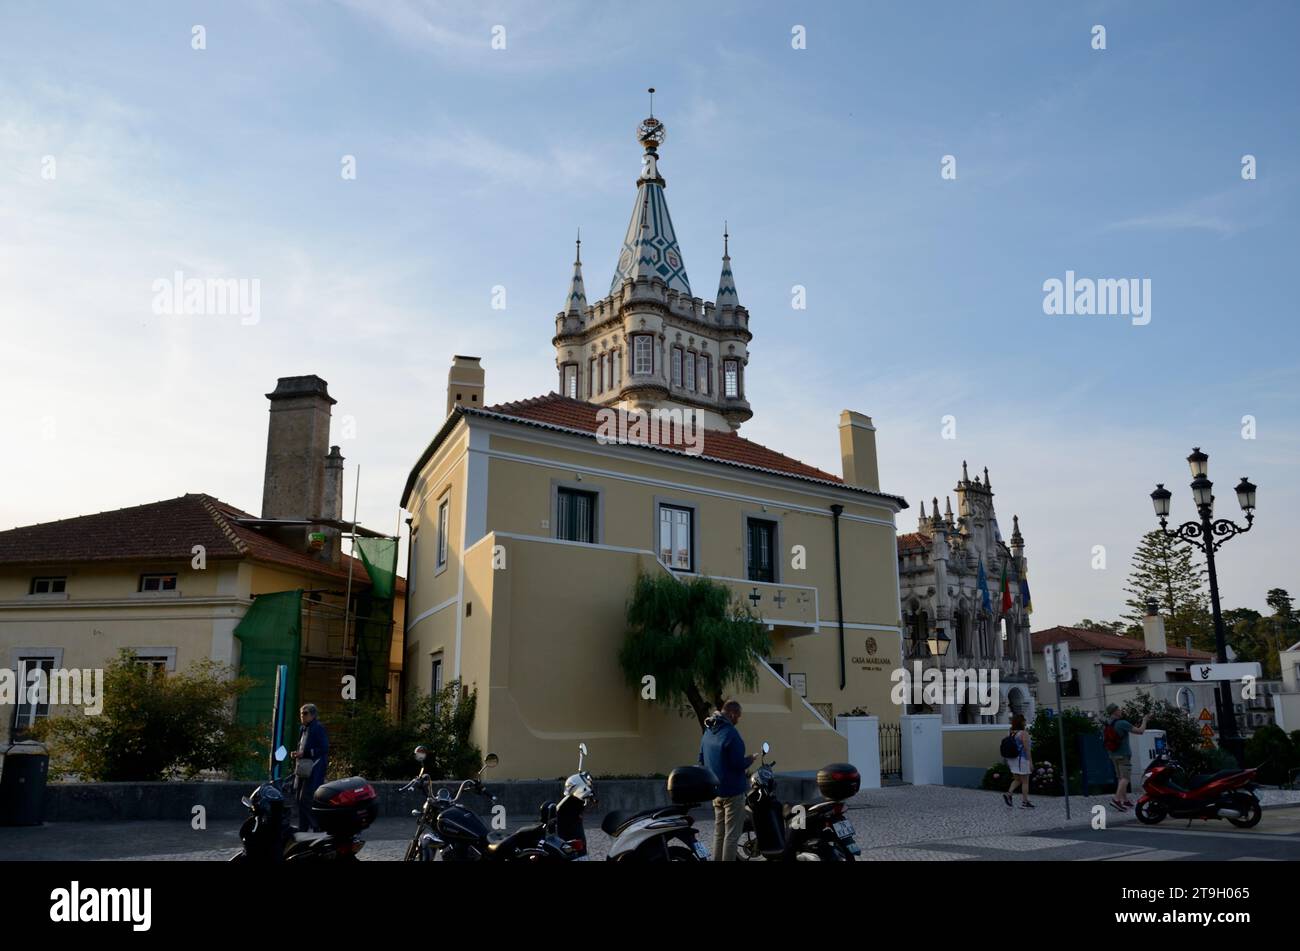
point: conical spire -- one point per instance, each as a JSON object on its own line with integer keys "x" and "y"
{"x": 727, "y": 296}
{"x": 577, "y": 299}
{"x": 650, "y": 245}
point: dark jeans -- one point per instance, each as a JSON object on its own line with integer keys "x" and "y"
{"x": 306, "y": 821}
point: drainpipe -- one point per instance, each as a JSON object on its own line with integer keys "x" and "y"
{"x": 839, "y": 589}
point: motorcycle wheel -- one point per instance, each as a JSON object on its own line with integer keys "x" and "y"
{"x": 1150, "y": 812}
{"x": 682, "y": 853}
{"x": 1252, "y": 810}
{"x": 835, "y": 852}
{"x": 747, "y": 848}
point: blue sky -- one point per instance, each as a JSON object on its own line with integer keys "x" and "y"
{"x": 475, "y": 167}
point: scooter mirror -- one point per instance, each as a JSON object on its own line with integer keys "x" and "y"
{"x": 491, "y": 761}
{"x": 281, "y": 754}
{"x": 421, "y": 754}
{"x": 767, "y": 748}
{"x": 582, "y": 748}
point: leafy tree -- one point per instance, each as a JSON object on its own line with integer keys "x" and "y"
{"x": 374, "y": 744}
{"x": 693, "y": 639}
{"x": 1252, "y": 639}
{"x": 1164, "y": 570}
{"x": 1106, "y": 627}
{"x": 154, "y": 725}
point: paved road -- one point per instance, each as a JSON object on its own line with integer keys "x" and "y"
{"x": 897, "y": 823}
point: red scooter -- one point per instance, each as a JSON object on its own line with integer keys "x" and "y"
{"x": 1228, "y": 794}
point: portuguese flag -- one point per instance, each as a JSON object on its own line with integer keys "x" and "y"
{"x": 1005, "y": 587}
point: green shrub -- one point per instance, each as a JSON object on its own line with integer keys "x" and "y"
{"x": 1273, "y": 752}
{"x": 154, "y": 726}
{"x": 375, "y": 745}
{"x": 997, "y": 776}
{"x": 1182, "y": 733}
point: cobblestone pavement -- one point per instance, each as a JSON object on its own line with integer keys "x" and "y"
{"x": 895, "y": 823}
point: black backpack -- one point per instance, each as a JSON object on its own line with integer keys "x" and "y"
{"x": 1009, "y": 749}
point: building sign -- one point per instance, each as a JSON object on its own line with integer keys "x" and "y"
{"x": 871, "y": 658}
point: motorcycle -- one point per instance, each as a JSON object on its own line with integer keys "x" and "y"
{"x": 814, "y": 832}
{"x": 464, "y": 836}
{"x": 1168, "y": 792}
{"x": 563, "y": 819}
{"x": 425, "y": 844}
{"x": 342, "y": 808}
{"x": 663, "y": 833}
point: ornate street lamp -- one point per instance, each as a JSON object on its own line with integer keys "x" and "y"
{"x": 1207, "y": 535}
{"x": 938, "y": 642}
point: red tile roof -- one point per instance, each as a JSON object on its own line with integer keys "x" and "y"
{"x": 1083, "y": 639}
{"x": 554, "y": 411}
{"x": 910, "y": 540}
{"x": 161, "y": 531}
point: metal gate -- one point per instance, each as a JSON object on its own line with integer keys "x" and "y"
{"x": 891, "y": 750}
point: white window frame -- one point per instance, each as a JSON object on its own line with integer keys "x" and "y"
{"x": 688, "y": 370}
{"x": 158, "y": 576}
{"x": 731, "y": 379}
{"x": 676, "y": 378}
{"x": 50, "y": 581}
{"x": 571, "y": 380}
{"x": 444, "y": 532}
{"x": 20, "y": 656}
{"x": 706, "y": 365}
{"x": 615, "y": 366}
{"x": 643, "y": 355}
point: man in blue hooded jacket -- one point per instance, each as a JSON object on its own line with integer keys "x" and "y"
{"x": 722, "y": 752}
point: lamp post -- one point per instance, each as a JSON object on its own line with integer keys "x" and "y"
{"x": 1207, "y": 535}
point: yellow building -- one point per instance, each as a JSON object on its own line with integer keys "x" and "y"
{"x": 530, "y": 522}
{"x": 172, "y": 580}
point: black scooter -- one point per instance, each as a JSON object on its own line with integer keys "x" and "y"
{"x": 812, "y": 832}
{"x": 343, "y": 808}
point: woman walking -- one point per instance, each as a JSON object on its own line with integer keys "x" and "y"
{"x": 1021, "y": 765}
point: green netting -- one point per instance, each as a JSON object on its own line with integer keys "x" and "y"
{"x": 269, "y": 635}
{"x": 379, "y": 555}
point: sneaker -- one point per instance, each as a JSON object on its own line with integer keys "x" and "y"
{"x": 1027, "y": 805}
{"x": 1006, "y": 797}
{"x": 1122, "y": 807}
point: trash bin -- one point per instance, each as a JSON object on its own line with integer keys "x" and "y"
{"x": 22, "y": 783}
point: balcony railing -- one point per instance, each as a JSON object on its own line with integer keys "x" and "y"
{"x": 779, "y": 605}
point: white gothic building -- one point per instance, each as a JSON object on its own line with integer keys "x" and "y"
{"x": 938, "y": 579}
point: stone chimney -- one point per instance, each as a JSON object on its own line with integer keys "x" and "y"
{"x": 858, "y": 450}
{"x": 332, "y": 506}
{"x": 1153, "y": 629}
{"x": 297, "y": 443}
{"x": 464, "y": 383}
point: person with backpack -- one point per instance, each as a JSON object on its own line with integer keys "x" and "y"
{"x": 1114, "y": 736}
{"x": 1015, "y": 749}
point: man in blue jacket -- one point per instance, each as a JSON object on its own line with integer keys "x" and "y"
{"x": 314, "y": 745}
{"x": 722, "y": 752}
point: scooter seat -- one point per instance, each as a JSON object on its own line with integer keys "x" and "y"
{"x": 306, "y": 838}
{"x": 1206, "y": 778}
{"x": 615, "y": 822}
{"x": 528, "y": 835}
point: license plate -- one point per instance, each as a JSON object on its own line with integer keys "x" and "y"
{"x": 701, "y": 851}
{"x": 844, "y": 829}
{"x": 853, "y": 848}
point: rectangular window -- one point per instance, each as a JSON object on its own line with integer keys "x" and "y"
{"x": 730, "y": 378}
{"x": 608, "y": 368}
{"x": 602, "y": 371}
{"x": 158, "y": 582}
{"x": 32, "y": 687}
{"x": 592, "y": 387}
{"x": 575, "y": 516}
{"x": 49, "y": 585}
{"x": 677, "y": 366}
{"x": 571, "y": 380}
{"x": 436, "y": 682}
{"x": 689, "y": 373}
{"x": 706, "y": 387}
{"x": 615, "y": 368}
{"x": 676, "y": 538}
{"x": 644, "y": 355}
{"x": 761, "y": 550}
{"x": 444, "y": 520}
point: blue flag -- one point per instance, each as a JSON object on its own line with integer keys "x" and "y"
{"x": 985, "y": 597}
{"x": 1024, "y": 596}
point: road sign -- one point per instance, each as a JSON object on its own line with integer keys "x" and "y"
{"x": 1063, "y": 672}
{"x": 1207, "y": 730}
{"x": 1204, "y": 672}
{"x": 1205, "y": 714}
